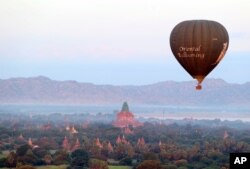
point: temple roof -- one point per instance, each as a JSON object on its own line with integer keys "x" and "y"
{"x": 125, "y": 118}
{"x": 125, "y": 107}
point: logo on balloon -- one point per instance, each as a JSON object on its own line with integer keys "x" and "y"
{"x": 191, "y": 52}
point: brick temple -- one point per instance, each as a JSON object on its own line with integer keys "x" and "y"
{"x": 125, "y": 118}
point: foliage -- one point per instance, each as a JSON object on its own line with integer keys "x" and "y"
{"x": 21, "y": 151}
{"x": 119, "y": 167}
{"x": 97, "y": 164}
{"x": 26, "y": 167}
{"x": 11, "y": 160}
{"x": 60, "y": 157}
{"x": 170, "y": 166}
{"x": 52, "y": 167}
{"x": 3, "y": 162}
{"x": 79, "y": 159}
{"x": 149, "y": 164}
{"x": 126, "y": 161}
{"x": 150, "y": 156}
{"x": 172, "y": 146}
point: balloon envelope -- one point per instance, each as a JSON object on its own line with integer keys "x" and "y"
{"x": 199, "y": 45}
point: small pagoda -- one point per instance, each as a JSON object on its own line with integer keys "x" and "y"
{"x": 125, "y": 118}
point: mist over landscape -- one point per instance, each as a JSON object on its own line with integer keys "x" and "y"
{"x": 108, "y": 135}
{"x": 169, "y": 124}
{"x": 176, "y": 100}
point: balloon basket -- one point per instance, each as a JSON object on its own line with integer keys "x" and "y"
{"x": 198, "y": 87}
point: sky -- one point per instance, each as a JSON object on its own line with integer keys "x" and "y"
{"x": 118, "y": 42}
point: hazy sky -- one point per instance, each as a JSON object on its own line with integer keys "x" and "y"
{"x": 114, "y": 41}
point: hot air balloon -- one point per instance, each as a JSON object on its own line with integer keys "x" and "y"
{"x": 199, "y": 45}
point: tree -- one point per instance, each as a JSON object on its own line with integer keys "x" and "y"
{"x": 181, "y": 162}
{"x": 3, "y": 162}
{"x": 61, "y": 157}
{"x": 126, "y": 161}
{"x": 11, "y": 160}
{"x": 120, "y": 151}
{"x": 28, "y": 158}
{"x": 150, "y": 156}
{"x": 97, "y": 164}
{"x": 79, "y": 159}
{"x": 150, "y": 164}
{"x": 48, "y": 159}
{"x": 170, "y": 166}
{"x": 21, "y": 151}
{"x": 26, "y": 167}
{"x": 39, "y": 152}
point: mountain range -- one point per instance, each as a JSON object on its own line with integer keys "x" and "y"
{"x": 42, "y": 90}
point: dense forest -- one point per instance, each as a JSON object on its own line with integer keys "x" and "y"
{"x": 76, "y": 142}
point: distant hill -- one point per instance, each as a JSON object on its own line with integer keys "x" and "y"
{"x": 42, "y": 90}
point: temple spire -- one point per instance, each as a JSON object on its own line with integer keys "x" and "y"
{"x": 125, "y": 107}
{"x": 126, "y": 119}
